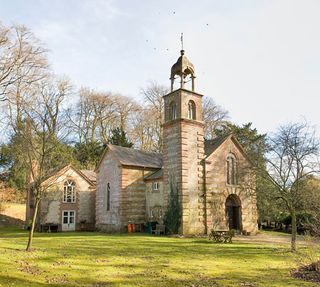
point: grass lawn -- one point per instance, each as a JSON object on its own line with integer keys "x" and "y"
{"x": 97, "y": 260}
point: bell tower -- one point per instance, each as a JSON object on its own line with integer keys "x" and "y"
{"x": 183, "y": 150}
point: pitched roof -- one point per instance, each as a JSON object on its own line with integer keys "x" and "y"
{"x": 130, "y": 156}
{"x": 80, "y": 172}
{"x": 90, "y": 174}
{"x": 211, "y": 145}
{"x": 156, "y": 175}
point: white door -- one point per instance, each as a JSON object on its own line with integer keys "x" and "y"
{"x": 68, "y": 220}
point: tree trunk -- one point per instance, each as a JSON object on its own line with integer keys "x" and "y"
{"x": 293, "y": 231}
{"x": 34, "y": 218}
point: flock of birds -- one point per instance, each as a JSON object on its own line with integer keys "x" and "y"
{"x": 167, "y": 49}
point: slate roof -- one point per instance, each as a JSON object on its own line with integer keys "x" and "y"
{"x": 90, "y": 174}
{"x": 156, "y": 175}
{"x": 130, "y": 156}
{"x": 211, "y": 145}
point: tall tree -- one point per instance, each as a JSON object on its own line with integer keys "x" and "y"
{"x": 154, "y": 115}
{"x": 119, "y": 137}
{"x": 214, "y": 117}
{"x": 46, "y": 103}
{"x": 44, "y": 154}
{"x": 88, "y": 154}
{"x": 23, "y": 64}
{"x": 96, "y": 114}
{"x": 145, "y": 131}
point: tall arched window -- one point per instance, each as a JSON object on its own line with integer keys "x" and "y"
{"x": 69, "y": 193}
{"x": 232, "y": 170}
{"x": 191, "y": 110}
{"x": 173, "y": 110}
{"x": 108, "y": 197}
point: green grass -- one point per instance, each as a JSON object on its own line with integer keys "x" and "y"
{"x": 96, "y": 260}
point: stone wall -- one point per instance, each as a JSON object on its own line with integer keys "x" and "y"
{"x": 154, "y": 201}
{"x": 133, "y": 195}
{"x": 192, "y": 177}
{"x": 52, "y": 204}
{"x": 109, "y": 172}
{"x": 183, "y": 154}
{"x": 218, "y": 190}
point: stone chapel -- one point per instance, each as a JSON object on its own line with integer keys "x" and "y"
{"x": 214, "y": 179}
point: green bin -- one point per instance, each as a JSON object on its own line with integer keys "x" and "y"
{"x": 150, "y": 225}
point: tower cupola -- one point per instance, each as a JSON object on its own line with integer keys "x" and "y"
{"x": 183, "y": 68}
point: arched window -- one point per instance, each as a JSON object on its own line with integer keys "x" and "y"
{"x": 69, "y": 193}
{"x": 156, "y": 212}
{"x": 232, "y": 170}
{"x": 191, "y": 110}
{"x": 173, "y": 110}
{"x": 108, "y": 197}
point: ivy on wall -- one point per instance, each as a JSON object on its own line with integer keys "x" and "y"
{"x": 172, "y": 217}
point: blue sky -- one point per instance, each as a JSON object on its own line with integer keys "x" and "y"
{"x": 260, "y": 60}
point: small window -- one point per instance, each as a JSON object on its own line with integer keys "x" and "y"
{"x": 191, "y": 110}
{"x": 173, "y": 110}
{"x": 69, "y": 194}
{"x": 231, "y": 170}
{"x": 155, "y": 186}
{"x": 108, "y": 196}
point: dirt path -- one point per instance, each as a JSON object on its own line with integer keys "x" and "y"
{"x": 272, "y": 238}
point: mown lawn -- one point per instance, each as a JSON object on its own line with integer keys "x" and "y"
{"x": 96, "y": 259}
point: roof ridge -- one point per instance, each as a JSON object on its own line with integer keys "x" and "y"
{"x": 132, "y": 148}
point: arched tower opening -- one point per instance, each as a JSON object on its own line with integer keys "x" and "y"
{"x": 184, "y": 70}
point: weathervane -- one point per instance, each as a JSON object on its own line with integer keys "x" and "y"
{"x": 181, "y": 39}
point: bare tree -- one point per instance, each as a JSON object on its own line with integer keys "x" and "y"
{"x": 292, "y": 156}
{"x": 80, "y": 117}
{"x": 39, "y": 139}
{"x": 39, "y": 148}
{"x": 153, "y": 97}
{"x": 53, "y": 95}
{"x": 35, "y": 139}
{"x": 23, "y": 65}
{"x": 214, "y": 117}
{"x": 22, "y": 61}
{"x": 125, "y": 108}
{"x": 145, "y": 130}
{"x": 96, "y": 114}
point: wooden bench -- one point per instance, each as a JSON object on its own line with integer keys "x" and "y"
{"x": 221, "y": 236}
{"x": 49, "y": 227}
{"x": 160, "y": 229}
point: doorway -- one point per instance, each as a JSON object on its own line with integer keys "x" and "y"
{"x": 233, "y": 212}
{"x": 68, "y": 220}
